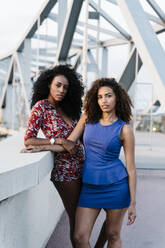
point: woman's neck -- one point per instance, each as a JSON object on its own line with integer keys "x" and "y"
{"x": 54, "y": 103}
{"x": 108, "y": 117}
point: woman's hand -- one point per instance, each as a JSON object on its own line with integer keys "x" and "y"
{"x": 69, "y": 145}
{"x": 131, "y": 214}
{"x": 29, "y": 149}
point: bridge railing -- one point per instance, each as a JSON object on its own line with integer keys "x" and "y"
{"x": 30, "y": 206}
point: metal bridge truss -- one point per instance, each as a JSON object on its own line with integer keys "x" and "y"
{"x": 85, "y": 46}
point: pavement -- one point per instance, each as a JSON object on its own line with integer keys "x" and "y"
{"x": 149, "y": 229}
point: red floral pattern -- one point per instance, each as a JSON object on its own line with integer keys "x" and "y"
{"x": 67, "y": 167}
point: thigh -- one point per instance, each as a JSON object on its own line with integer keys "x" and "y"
{"x": 69, "y": 193}
{"x": 85, "y": 219}
{"x": 114, "y": 219}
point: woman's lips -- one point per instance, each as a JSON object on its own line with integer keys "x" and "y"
{"x": 105, "y": 106}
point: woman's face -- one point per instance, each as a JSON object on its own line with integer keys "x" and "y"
{"x": 58, "y": 88}
{"x": 106, "y": 99}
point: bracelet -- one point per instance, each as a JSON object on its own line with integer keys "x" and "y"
{"x": 52, "y": 141}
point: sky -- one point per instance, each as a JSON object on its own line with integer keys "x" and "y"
{"x": 16, "y": 16}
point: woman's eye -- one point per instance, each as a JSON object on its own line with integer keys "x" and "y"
{"x": 65, "y": 87}
{"x": 58, "y": 85}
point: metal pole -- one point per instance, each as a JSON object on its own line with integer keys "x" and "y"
{"x": 151, "y": 119}
{"x": 135, "y": 93}
{"x": 46, "y": 37}
{"x": 13, "y": 96}
{"x": 98, "y": 38}
{"x": 85, "y": 47}
{"x": 38, "y": 39}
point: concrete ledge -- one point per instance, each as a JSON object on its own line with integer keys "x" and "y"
{"x": 21, "y": 171}
{"x": 30, "y": 206}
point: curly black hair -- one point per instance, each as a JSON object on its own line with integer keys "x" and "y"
{"x": 72, "y": 102}
{"x": 123, "y": 101}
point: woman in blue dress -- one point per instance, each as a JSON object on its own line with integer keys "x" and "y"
{"x": 107, "y": 183}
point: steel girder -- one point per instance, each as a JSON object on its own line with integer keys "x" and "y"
{"x": 146, "y": 42}
{"x": 157, "y": 9}
{"x": 128, "y": 75}
{"x": 68, "y": 30}
{"x": 110, "y": 20}
{"x": 43, "y": 14}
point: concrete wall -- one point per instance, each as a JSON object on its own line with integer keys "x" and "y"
{"x": 30, "y": 206}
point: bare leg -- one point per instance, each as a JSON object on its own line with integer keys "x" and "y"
{"x": 114, "y": 222}
{"x": 85, "y": 219}
{"x": 69, "y": 193}
{"x": 102, "y": 237}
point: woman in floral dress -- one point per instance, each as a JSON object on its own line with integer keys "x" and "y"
{"x": 56, "y": 108}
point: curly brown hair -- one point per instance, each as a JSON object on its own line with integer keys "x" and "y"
{"x": 123, "y": 101}
{"x": 72, "y": 102}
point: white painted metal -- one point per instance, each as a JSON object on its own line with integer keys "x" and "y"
{"x": 85, "y": 46}
{"x": 149, "y": 47}
{"x": 115, "y": 42}
{"x": 46, "y": 7}
{"x": 13, "y": 110}
{"x": 67, "y": 51}
{"x": 155, "y": 19}
{"x": 49, "y": 38}
{"x": 151, "y": 118}
{"x": 157, "y": 9}
{"x": 127, "y": 76}
{"x": 135, "y": 93}
{"x": 68, "y": 30}
{"x": 90, "y": 37}
{"x": 112, "y": 1}
{"x": 110, "y": 20}
{"x": 102, "y": 30}
{"x": 20, "y": 65}
{"x": 98, "y": 39}
{"x": 62, "y": 10}
{"x": 54, "y": 18}
{"x": 6, "y": 82}
{"x": 92, "y": 66}
{"x": 150, "y": 17}
{"x": 104, "y": 65}
{"x": 38, "y": 40}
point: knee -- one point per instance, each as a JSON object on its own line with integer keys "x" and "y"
{"x": 113, "y": 236}
{"x": 81, "y": 238}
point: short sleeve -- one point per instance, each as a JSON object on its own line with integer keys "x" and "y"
{"x": 35, "y": 121}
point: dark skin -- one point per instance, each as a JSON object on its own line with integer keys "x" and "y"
{"x": 68, "y": 191}
{"x": 86, "y": 217}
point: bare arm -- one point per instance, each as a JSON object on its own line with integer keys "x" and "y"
{"x": 78, "y": 130}
{"x": 70, "y": 143}
{"x": 31, "y": 141}
{"x": 74, "y": 136}
{"x": 39, "y": 148}
{"x": 129, "y": 150}
{"x": 36, "y": 141}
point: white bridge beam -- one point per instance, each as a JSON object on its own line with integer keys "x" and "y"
{"x": 146, "y": 42}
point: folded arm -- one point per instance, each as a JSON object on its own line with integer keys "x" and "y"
{"x": 39, "y": 147}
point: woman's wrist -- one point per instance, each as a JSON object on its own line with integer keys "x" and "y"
{"x": 133, "y": 203}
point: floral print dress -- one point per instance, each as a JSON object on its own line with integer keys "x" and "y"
{"x": 67, "y": 167}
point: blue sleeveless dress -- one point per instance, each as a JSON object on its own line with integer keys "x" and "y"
{"x": 104, "y": 176}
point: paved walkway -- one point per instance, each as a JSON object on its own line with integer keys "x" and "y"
{"x": 149, "y": 228}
